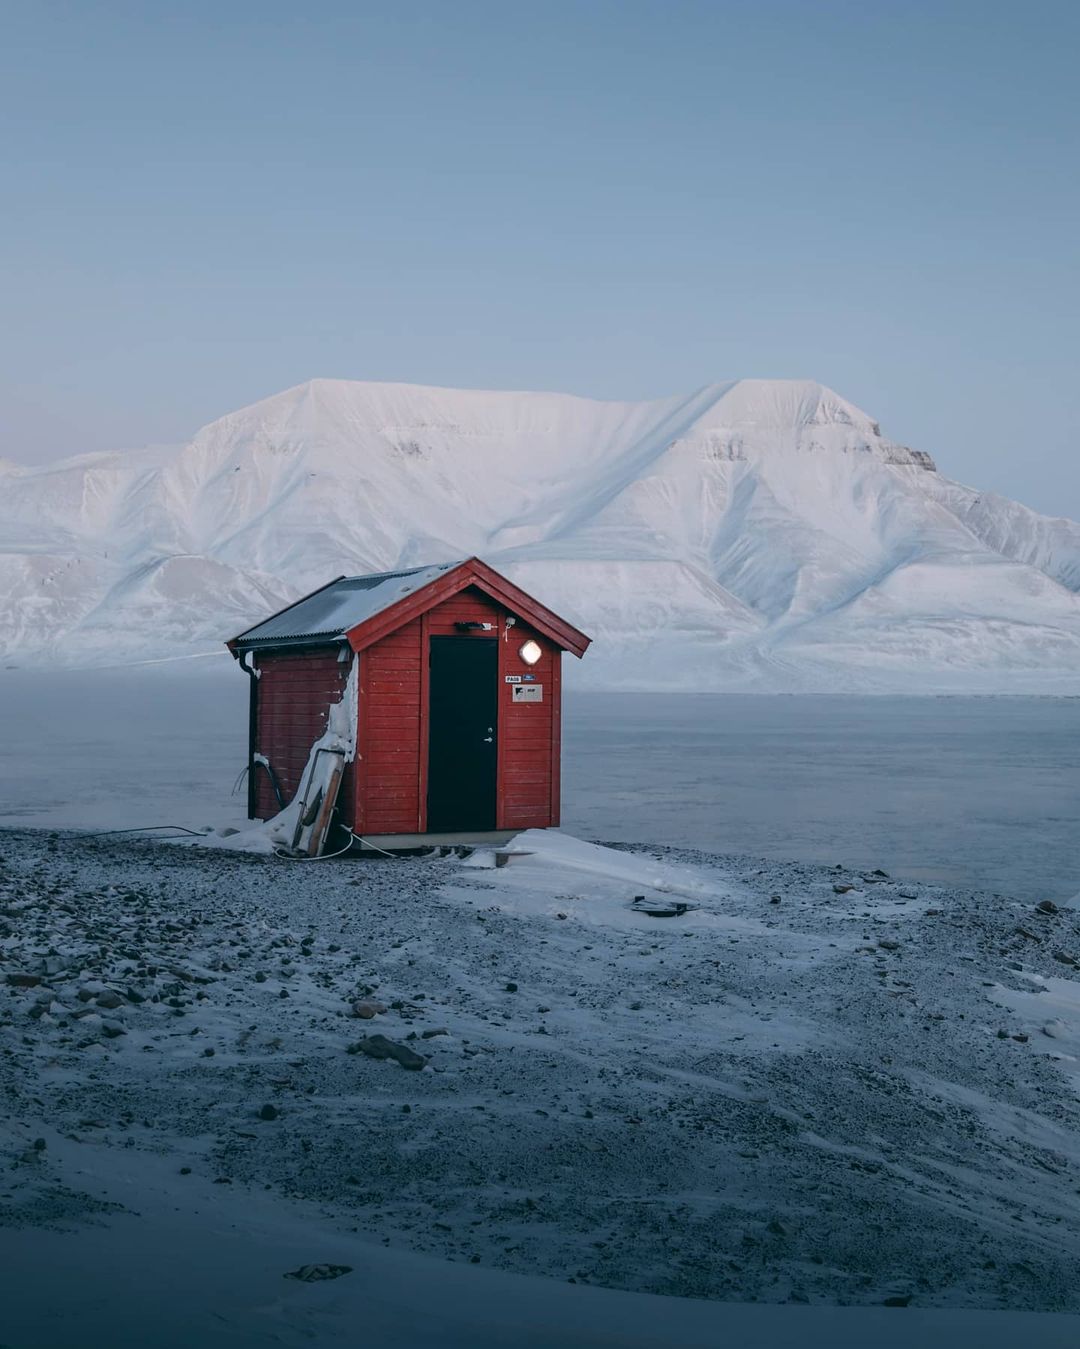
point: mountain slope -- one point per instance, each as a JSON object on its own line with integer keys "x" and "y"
{"x": 758, "y": 533}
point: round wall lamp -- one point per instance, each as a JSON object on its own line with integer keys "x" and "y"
{"x": 530, "y": 652}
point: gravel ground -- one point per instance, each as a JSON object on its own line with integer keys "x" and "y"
{"x": 811, "y": 1093}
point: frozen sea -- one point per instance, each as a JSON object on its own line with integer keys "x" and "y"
{"x": 983, "y": 793}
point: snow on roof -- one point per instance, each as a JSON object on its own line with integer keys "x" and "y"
{"x": 341, "y": 605}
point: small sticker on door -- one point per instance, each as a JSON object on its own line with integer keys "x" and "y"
{"x": 527, "y": 693}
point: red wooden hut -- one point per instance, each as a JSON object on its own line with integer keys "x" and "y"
{"x": 456, "y": 676}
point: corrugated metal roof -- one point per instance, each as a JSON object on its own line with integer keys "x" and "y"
{"x": 340, "y": 606}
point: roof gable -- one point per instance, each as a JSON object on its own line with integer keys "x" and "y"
{"x": 362, "y": 609}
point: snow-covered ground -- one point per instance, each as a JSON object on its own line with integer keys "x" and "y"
{"x": 979, "y": 792}
{"x": 814, "y": 1087}
{"x": 820, "y": 1090}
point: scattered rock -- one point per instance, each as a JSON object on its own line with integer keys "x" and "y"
{"x": 365, "y": 1009}
{"x": 899, "y": 1300}
{"x": 1046, "y": 906}
{"x": 110, "y": 1000}
{"x": 511, "y": 988}
{"x": 314, "y": 1273}
{"x": 1056, "y": 1028}
{"x": 437, "y": 1030}
{"x": 112, "y": 1030}
{"x": 17, "y": 979}
{"x": 379, "y": 1047}
{"x": 269, "y": 1112}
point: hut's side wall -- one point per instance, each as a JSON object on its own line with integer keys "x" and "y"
{"x": 295, "y": 691}
{"x": 391, "y": 777}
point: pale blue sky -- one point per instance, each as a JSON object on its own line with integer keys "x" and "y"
{"x": 204, "y": 203}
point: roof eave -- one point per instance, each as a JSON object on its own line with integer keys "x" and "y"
{"x": 238, "y": 645}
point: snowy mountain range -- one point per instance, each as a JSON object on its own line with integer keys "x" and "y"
{"x": 756, "y": 534}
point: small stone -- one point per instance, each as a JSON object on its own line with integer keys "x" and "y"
{"x": 1047, "y": 906}
{"x": 636, "y": 1006}
{"x": 19, "y": 980}
{"x": 1020, "y": 1037}
{"x": 774, "y": 899}
{"x": 842, "y": 889}
{"x": 40, "y": 1145}
{"x": 887, "y": 944}
{"x": 1056, "y": 1028}
{"x": 112, "y": 1030}
{"x": 899, "y": 1300}
{"x": 511, "y": 988}
{"x": 365, "y": 1009}
{"x": 110, "y": 1000}
{"x": 208, "y": 1052}
{"x": 437, "y": 1030}
{"x": 260, "y": 977}
{"x": 269, "y": 1112}
{"x": 185, "y": 1170}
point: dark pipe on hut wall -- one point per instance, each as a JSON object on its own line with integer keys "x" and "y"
{"x": 253, "y": 715}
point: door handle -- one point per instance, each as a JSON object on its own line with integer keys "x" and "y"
{"x": 488, "y": 739}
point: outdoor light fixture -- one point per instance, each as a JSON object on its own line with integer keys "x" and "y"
{"x": 530, "y": 652}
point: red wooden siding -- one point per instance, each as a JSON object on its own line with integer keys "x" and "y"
{"x": 528, "y": 777}
{"x": 391, "y": 769}
{"x": 295, "y": 691}
{"x": 388, "y": 748}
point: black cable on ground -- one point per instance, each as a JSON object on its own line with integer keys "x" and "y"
{"x": 149, "y": 829}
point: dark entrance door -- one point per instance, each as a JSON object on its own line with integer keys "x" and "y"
{"x": 462, "y": 733}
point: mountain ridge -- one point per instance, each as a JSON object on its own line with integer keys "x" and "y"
{"x": 754, "y": 533}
